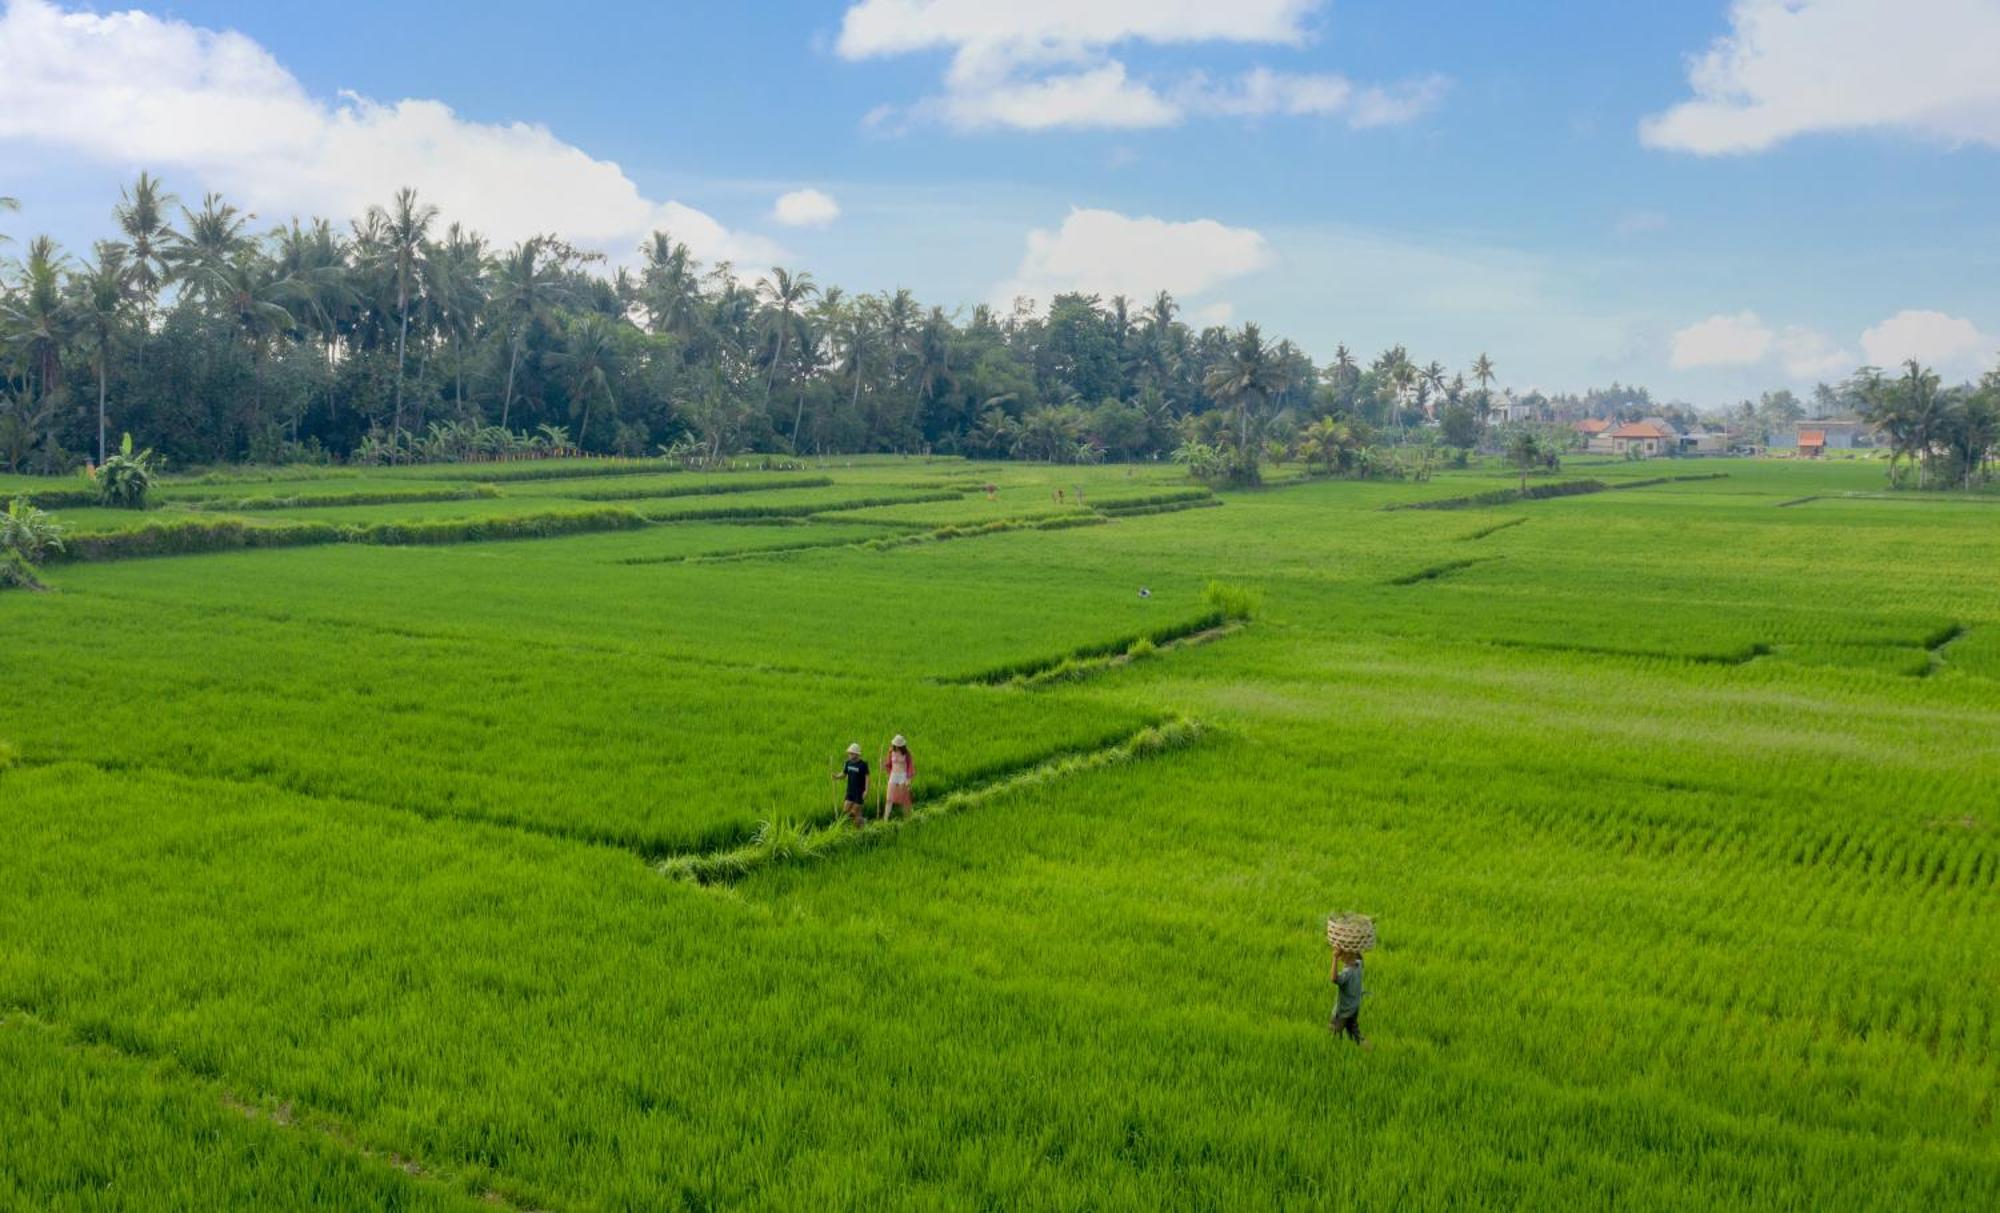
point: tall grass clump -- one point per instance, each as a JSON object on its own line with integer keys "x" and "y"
{"x": 1233, "y": 601}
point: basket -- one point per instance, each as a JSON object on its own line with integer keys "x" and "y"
{"x": 1353, "y": 933}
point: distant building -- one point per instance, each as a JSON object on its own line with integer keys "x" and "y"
{"x": 1706, "y": 442}
{"x": 1647, "y": 438}
{"x": 1836, "y": 434}
{"x": 1812, "y": 444}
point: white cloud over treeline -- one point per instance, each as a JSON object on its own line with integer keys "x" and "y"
{"x": 132, "y": 89}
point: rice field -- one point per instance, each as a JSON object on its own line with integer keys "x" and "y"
{"x": 351, "y": 876}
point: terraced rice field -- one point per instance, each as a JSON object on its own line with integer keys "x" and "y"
{"x": 483, "y": 874}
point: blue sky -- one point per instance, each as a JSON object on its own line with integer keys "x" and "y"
{"x": 1454, "y": 176}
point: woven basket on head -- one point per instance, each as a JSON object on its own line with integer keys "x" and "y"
{"x": 1351, "y": 932}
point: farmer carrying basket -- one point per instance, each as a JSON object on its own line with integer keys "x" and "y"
{"x": 1351, "y": 935}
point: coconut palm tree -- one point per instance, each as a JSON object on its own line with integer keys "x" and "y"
{"x": 406, "y": 225}
{"x": 782, "y": 293}
{"x": 670, "y": 288}
{"x": 1482, "y": 371}
{"x": 584, "y": 363}
{"x": 142, "y": 217}
{"x": 526, "y": 288}
{"x": 454, "y": 274}
{"x": 8, "y": 203}
{"x": 1243, "y": 379}
{"x": 256, "y": 295}
{"x": 101, "y": 304}
{"x": 35, "y": 320}
{"x": 209, "y": 240}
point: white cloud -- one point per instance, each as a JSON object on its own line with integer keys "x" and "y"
{"x": 1807, "y": 353}
{"x": 133, "y": 89}
{"x": 1039, "y": 65}
{"x": 1950, "y": 343}
{"x": 805, "y": 208}
{"x": 1261, "y": 91}
{"x": 894, "y": 27}
{"x": 1106, "y": 253}
{"x": 1796, "y": 67}
{"x": 1737, "y": 340}
{"x": 1744, "y": 340}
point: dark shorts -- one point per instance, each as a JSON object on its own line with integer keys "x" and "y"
{"x": 1347, "y": 1025}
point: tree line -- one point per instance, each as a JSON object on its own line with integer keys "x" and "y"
{"x": 403, "y": 337}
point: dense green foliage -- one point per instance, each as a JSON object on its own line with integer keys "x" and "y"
{"x": 1673, "y": 809}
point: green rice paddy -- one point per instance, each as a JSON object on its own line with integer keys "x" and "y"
{"x": 344, "y": 876}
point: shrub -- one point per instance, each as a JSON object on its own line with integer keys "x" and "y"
{"x": 27, "y": 536}
{"x": 126, "y": 478}
{"x": 1234, "y": 601}
{"x": 1141, "y": 649}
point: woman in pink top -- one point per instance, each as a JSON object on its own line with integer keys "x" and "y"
{"x": 901, "y": 770}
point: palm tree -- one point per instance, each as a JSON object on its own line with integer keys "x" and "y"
{"x": 142, "y": 217}
{"x": 1482, "y": 371}
{"x": 406, "y": 226}
{"x": 1246, "y": 376}
{"x": 525, "y": 288}
{"x": 8, "y": 203}
{"x": 100, "y": 304}
{"x": 588, "y": 354}
{"x": 670, "y": 287}
{"x": 1922, "y": 407}
{"x": 315, "y": 258}
{"x": 35, "y": 320}
{"x": 783, "y": 292}
{"x": 211, "y": 239}
{"x": 455, "y": 282}
{"x": 254, "y": 293}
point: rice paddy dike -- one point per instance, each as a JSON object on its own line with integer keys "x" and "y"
{"x": 465, "y": 839}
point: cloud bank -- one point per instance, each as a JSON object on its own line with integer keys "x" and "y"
{"x": 1038, "y": 65}
{"x": 1105, "y": 253}
{"x": 1953, "y": 345}
{"x": 132, "y": 89}
{"x": 1799, "y": 67}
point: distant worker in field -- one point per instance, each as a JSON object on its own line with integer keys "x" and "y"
{"x": 856, "y": 774}
{"x": 902, "y": 771}
{"x": 1350, "y": 935}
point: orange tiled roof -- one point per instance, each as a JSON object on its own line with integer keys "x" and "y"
{"x": 1812, "y": 437}
{"x": 1592, "y": 425}
{"x": 1640, "y": 429}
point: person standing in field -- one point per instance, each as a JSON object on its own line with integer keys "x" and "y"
{"x": 855, "y": 804}
{"x": 902, "y": 770}
{"x": 1348, "y": 993}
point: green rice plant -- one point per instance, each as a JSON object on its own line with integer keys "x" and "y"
{"x": 1233, "y": 601}
{"x": 1688, "y": 796}
{"x": 308, "y": 501}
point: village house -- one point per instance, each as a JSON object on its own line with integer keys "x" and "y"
{"x": 1648, "y": 438}
{"x": 1837, "y": 434}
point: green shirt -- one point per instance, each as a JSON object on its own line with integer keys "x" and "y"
{"x": 1348, "y": 982}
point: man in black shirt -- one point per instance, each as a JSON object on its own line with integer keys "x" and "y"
{"x": 856, "y": 775}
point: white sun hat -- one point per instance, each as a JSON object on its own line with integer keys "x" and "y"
{"x": 854, "y": 747}
{"x": 898, "y": 741}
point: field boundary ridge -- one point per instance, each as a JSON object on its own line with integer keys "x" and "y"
{"x": 778, "y": 842}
